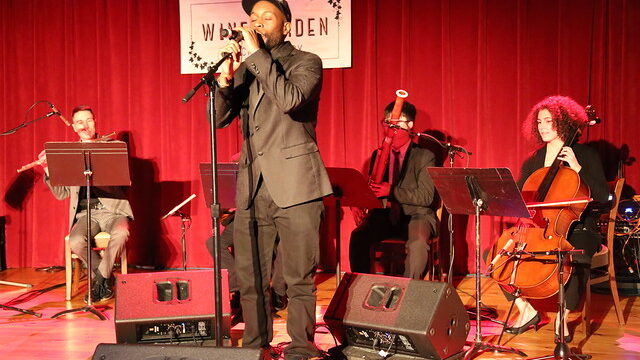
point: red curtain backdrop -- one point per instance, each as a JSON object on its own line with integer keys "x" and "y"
{"x": 473, "y": 68}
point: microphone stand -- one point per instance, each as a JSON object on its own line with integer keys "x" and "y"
{"x": 9, "y": 132}
{"x": 25, "y": 124}
{"x": 211, "y": 83}
{"x": 561, "y": 350}
{"x": 185, "y": 218}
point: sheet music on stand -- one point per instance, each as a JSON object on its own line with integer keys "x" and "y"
{"x": 496, "y": 186}
{"x": 68, "y": 159}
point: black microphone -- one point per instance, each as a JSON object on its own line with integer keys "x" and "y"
{"x": 458, "y": 148}
{"x": 592, "y": 118}
{"x": 56, "y": 112}
{"x": 231, "y": 34}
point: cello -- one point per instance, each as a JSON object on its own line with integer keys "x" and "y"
{"x": 558, "y": 198}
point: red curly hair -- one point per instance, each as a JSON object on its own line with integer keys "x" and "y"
{"x": 567, "y": 116}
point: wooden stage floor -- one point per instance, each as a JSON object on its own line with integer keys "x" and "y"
{"x": 76, "y": 336}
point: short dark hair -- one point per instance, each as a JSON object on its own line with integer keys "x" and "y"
{"x": 82, "y": 108}
{"x": 567, "y": 116}
{"x": 408, "y": 110}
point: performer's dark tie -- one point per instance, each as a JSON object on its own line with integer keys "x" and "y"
{"x": 396, "y": 166}
{"x": 395, "y": 206}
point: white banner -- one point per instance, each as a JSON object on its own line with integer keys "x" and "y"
{"x": 322, "y": 27}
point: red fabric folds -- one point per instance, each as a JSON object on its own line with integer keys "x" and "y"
{"x": 473, "y": 68}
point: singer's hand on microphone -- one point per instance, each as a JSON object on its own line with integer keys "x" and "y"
{"x": 251, "y": 38}
{"x": 229, "y": 67}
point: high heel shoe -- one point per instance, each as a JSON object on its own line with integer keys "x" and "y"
{"x": 534, "y": 323}
{"x": 556, "y": 336}
{"x": 567, "y": 338}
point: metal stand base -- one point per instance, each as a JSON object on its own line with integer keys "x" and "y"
{"x": 88, "y": 308}
{"x": 24, "y": 311}
{"x": 562, "y": 352}
{"x": 478, "y": 347}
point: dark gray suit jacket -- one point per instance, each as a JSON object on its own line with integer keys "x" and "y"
{"x": 276, "y": 96}
{"x": 415, "y": 191}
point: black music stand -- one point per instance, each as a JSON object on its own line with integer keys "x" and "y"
{"x": 491, "y": 191}
{"x": 227, "y": 178}
{"x": 87, "y": 164}
{"x": 350, "y": 188}
{"x": 184, "y": 219}
{"x": 214, "y": 178}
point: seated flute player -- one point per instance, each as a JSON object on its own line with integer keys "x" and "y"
{"x": 110, "y": 212}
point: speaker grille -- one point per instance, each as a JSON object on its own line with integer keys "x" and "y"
{"x": 158, "y": 352}
{"x": 398, "y": 316}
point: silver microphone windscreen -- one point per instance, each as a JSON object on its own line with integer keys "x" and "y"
{"x": 231, "y": 34}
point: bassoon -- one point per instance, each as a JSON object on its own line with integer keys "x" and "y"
{"x": 382, "y": 159}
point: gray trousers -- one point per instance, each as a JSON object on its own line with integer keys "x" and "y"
{"x": 101, "y": 220}
{"x": 227, "y": 261}
{"x": 377, "y": 227}
{"x": 255, "y": 234}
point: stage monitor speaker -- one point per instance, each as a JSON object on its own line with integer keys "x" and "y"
{"x": 169, "y": 307}
{"x": 160, "y": 352}
{"x": 404, "y": 318}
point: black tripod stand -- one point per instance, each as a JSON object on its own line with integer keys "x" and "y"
{"x": 480, "y": 192}
{"x": 562, "y": 350}
{"x": 89, "y": 307}
{"x": 184, "y": 218}
{"x": 209, "y": 80}
{"x": 89, "y": 164}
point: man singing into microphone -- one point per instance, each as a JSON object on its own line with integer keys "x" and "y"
{"x": 282, "y": 179}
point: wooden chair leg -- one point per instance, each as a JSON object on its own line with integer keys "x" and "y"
{"x": 429, "y": 275}
{"x": 587, "y": 309}
{"x": 123, "y": 260}
{"x": 616, "y": 299}
{"x": 436, "y": 268}
{"x": 67, "y": 269}
{"x": 75, "y": 281}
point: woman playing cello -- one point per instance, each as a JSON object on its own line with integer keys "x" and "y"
{"x": 552, "y": 122}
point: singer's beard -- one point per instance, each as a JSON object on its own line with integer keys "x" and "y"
{"x": 270, "y": 41}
